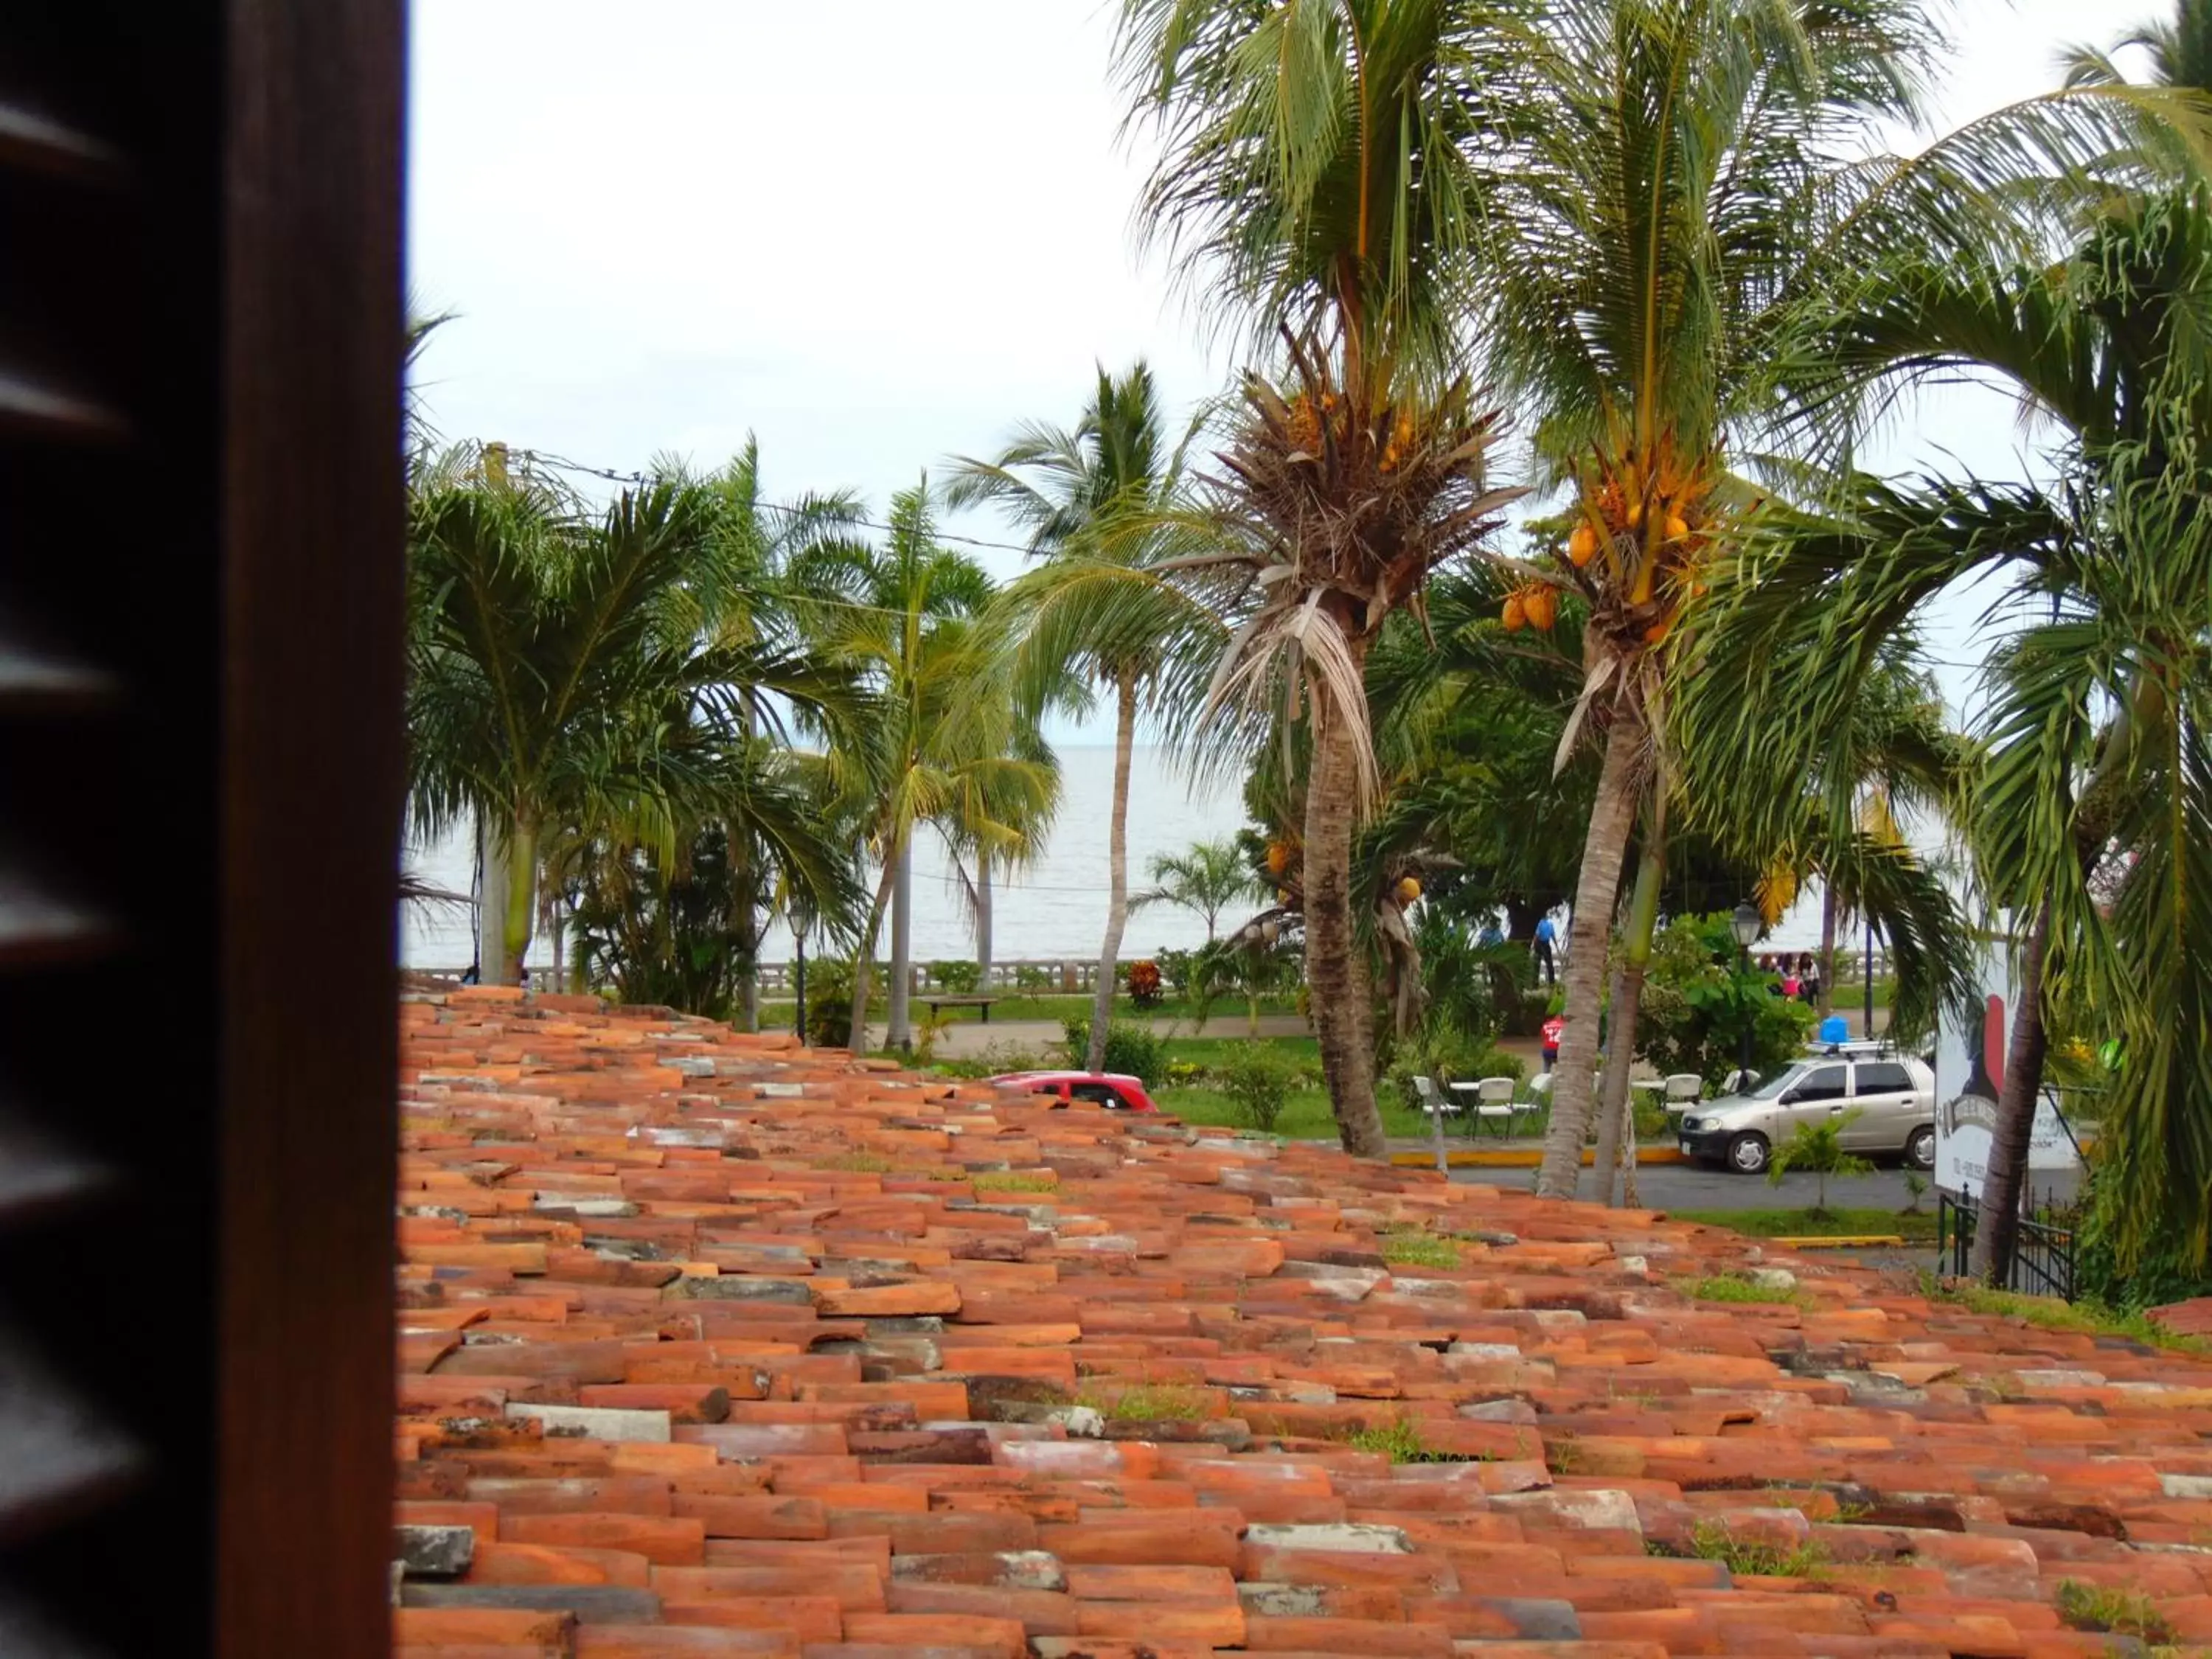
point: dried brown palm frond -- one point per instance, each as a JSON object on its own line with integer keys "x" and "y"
{"x": 1348, "y": 498}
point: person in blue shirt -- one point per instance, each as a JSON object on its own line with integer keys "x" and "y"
{"x": 1546, "y": 933}
{"x": 1491, "y": 934}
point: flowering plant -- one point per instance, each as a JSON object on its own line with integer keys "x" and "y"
{"x": 1144, "y": 981}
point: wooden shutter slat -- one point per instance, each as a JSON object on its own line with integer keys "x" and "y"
{"x": 32, "y": 409}
{"x": 55, "y": 1454}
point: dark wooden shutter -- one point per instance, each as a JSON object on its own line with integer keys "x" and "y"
{"x": 200, "y": 308}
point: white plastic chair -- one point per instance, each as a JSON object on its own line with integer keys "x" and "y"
{"x": 1433, "y": 1100}
{"x": 1494, "y": 1102}
{"x": 1684, "y": 1090}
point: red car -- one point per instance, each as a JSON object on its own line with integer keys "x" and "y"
{"x": 1116, "y": 1091}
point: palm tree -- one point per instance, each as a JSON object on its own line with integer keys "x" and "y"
{"x": 2088, "y": 824}
{"x": 564, "y": 680}
{"x": 759, "y": 543}
{"x": 1206, "y": 880}
{"x": 942, "y": 744}
{"x": 1090, "y": 499}
{"x": 1667, "y": 206}
{"x": 1318, "y": 174}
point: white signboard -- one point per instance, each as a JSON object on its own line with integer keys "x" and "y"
{"x": 1970, "y": 1061}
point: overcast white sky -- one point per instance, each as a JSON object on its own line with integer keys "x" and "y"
{"x": 872, "y": 232}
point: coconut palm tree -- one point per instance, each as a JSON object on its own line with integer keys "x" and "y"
{"x": 1318, "y": 181}
{"x": 944, "y": 742}
{"x": 1206, "y": 879}
{"x": 1667, "y": 204}
{"x": 565, "y": 680}
{"x": 1092, "y": 500}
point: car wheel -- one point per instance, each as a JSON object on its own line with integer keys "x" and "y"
{"x": 1747, "y": 1155}
{"x": 1920, "y": 1150}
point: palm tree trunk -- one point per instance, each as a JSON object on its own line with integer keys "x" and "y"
{"x": 864, "y": 959}
{"x": 1117, "y": 869}
{"x": 983, "y": 919}
{"x": 521, "y": 899}
{"x": 1616, "y": 1118}
{"x": 898, "y": 1032}
{"x": 491, "y": 900}
{"x": 1338, "y": 975}
{"x": 1828, "y": 948}
{"x": 749, "y": 935}
{"x": 1604, "y": 846}
{"x": 1997, "y": 1232}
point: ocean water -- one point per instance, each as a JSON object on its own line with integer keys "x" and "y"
{"x": 1055, "y": 909}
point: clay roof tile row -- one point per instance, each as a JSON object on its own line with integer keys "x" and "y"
{"x": 710, "y": 1344}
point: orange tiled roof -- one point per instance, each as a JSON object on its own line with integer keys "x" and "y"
{"x": 713, "y": 1346}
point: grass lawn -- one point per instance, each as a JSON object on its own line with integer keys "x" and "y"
{"x": 1305, "y": 1116}
{"x": 1839, "y": 1223}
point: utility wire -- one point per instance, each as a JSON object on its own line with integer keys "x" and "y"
{"x": 861, "y": 521}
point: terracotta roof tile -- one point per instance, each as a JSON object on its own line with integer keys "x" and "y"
{"x": 712, "y": 1345}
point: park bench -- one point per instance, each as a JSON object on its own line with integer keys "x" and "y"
{"x": 935, "y": 1000}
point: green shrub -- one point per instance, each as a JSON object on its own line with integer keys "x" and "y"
{"x": 828, "y": 1002}
{"x": 1028, "y": 977}
{"x": 1258, "y": 1082}
{"x": 959, "y": 978}
{"x": 998, "y": 1058}
{"x": 1435, "y": 1050}
{"x": 1135, "y": 1049}
{"x": 2161, "y": 1273}
{"x": 1697, "y": 998}
{"x": 1818, "y": 1147}
{"x": 1176, "y": 967}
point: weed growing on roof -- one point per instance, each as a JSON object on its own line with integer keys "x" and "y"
{"x": 2048, "y": 1314}
{"x": 1726, "y": 1287}
{"x": 1401, "y": 1441}
{"x": 1711, "y": 1541}
{"x": 1563, "y": 1456}
{"x": 1410, "y": 1250}
{"x": 1015, "y": 1181}
{"x": 1147, "y": 1402}
{"x": 2118, "y": 1612}
{"x": 856, "y": 1163}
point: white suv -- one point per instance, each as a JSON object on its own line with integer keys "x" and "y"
{"x": 1893, "y": 1098}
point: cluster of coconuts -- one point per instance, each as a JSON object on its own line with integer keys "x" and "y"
{"x": 1306, "y": 421}
{"x": 1535, "y": 605}
{"x": 1641, "y": 496}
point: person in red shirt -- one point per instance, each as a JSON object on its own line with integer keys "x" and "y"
{"x": 1552, "y": 1028}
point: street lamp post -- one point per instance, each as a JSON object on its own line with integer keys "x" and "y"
{"x": 799, "y": 920}
{"x": 1745, "y": 924}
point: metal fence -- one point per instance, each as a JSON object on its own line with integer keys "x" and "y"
{"x": 2042, "y": 1257}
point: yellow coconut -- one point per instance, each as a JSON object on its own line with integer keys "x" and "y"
{"x": 1677, "y": 527}
{"x": 1582, "y": 546}
{"x": 1541, "y": 606}
{"x": 1409, "y": 890}
{"x": 1515, "y": 613}
{"x": 1278, "y": 857}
